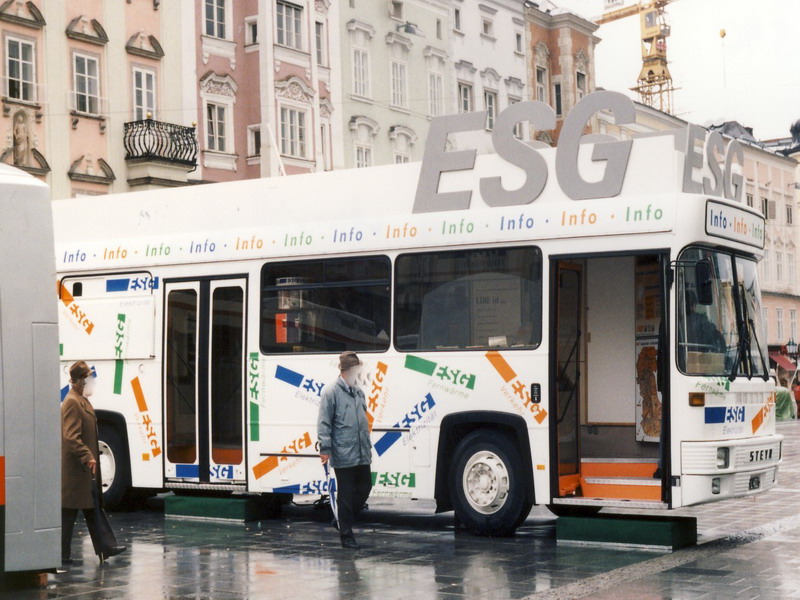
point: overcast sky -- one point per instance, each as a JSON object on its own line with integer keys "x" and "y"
{"x": 752, "y": 76}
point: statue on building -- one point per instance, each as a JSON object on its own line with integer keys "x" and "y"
{"x": 22, "y": 140}
{"x": 795, "y": 131}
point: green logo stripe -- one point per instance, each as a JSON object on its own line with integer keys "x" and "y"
{"x": 420, "y": 365}
{"x": 254, "y": 420}
{"x": 118, "y": 376}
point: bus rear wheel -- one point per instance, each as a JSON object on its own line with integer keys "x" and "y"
{"x": 487, "y": 484}
{"x": 114, "y": 466}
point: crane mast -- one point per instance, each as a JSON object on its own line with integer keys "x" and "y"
{"x": 654, "y": 85}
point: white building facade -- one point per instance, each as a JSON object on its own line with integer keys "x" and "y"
{"x": 394, "y": 77}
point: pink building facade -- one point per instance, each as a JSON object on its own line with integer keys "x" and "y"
{"x": 263, "y": 84}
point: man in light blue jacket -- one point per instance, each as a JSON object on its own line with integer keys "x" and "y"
{"x": 343, "y": 432}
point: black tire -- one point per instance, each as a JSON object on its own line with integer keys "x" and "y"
{"x": 573, "y": 510}
{"x": 496, "y": 503}
{"x": 115, "y": 466}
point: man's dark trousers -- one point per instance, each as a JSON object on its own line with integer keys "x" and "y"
{"x": 353, "y": 485}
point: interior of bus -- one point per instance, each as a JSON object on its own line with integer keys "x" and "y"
{"x": 607, "y": 314}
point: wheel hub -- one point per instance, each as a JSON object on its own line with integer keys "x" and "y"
{"x": 108, "y": 465}
{"x": 486, "y": 482}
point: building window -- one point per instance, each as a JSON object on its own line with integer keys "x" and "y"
{"x": 400, "y": 159}
{"x": 215, "y": 18}
{"x": 293, "y": 132}
{"x": 457, "y": 19}
{"x": 144, "y": 94}
{"x": 789, "y": 215}
{"x": 289, "y": 18}
{"x": 541, "y": 84}
{"x": 765, "y": 321}
{"x": 580, "y": 82}
{"x": 518, "y": 38}
{"x": 464, "y": 97}
{"x": 557, "y": 97}
{"x": 20, "y": 70}
{"x": 435, "y": 94}
{"x": 254, "y": 140}
{"x": 320, "y": 43}
{"x": 764, "y": 264}
{"x": 215, "y": 126}
{"x": 750, "y": 200}
{"x": 251, "y": 31}
{"x": 363, "y": 156}
{"x": 793, "y": 324}
{"x": 396, "y": 9}
{"x": 779, "y": 266}
{"x": 438, "y": 29}
{"x": 399, "y": 85}
{"x": 490, "y": 102}
{"x": 518, "y": 132}
{"x": 487, "y": 28}
{"x": 86, "y": 84}
{"x": 790, "y": 266}
{"x": 361, "y": 72}
{"x": 325, "y": 140}
{"x": 779, "y": 323}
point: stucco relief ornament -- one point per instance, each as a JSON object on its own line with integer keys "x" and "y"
{"x": 220, "y": 88}
{"x": 21, "y": 140}
{"x": 321, "y": 6}
{"x": 293, "y": 91}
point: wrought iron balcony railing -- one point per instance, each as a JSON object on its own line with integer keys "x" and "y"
{"x": 163, "y": 141}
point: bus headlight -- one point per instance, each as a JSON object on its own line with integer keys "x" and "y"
{"x": 715, "y": 485}
{"x": 723, "y": 459}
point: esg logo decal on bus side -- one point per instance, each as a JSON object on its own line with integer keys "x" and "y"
{"x": 724, "y": 414}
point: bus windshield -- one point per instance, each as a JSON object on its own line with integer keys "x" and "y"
{"x": 720, "y": 334}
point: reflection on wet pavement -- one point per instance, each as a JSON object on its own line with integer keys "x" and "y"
{"x": 746, "y": 551}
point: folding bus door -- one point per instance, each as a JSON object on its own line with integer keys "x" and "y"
{"x": 204, "y": 370}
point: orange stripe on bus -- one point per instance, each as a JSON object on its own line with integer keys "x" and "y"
{"x": 138, "y": 394}
{"x": 66, "y": 297}
{"x": 501, "y": 366}
{"x": 265, "y": 466}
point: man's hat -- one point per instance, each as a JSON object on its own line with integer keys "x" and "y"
{"x": 80, "y": 370}
{"x": 347, "y": 360}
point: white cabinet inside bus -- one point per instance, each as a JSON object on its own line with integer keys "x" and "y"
{"x": 106, "y": 325}
{"x": 611, "y": 351}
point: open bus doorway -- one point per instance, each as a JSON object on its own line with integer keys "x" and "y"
{"x": 606, "y": 395}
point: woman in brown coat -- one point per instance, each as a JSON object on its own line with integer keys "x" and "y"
{"x": 80, "y": 468}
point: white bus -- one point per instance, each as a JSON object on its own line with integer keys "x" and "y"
{"x": 576, "y": 326}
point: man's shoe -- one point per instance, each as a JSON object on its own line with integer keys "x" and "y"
{"x": 351, "y": 543}
{"x": 112, "y": 552}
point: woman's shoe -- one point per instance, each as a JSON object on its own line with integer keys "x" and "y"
{"x": 111, "y": 552}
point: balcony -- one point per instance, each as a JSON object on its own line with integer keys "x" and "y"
{"x": 159, "y": 154}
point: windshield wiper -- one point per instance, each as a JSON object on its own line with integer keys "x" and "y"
{"x": 764, "y": 372}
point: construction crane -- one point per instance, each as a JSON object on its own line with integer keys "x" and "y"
{"x": 654, "y": 85}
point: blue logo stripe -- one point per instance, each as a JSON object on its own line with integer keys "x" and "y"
{"x": 187, "y": 470}
{"x": 291, "y": 377}
{"x": 715, "y": 414}
{"x": 386, "y": 441}
{"x": 117, "y": 285}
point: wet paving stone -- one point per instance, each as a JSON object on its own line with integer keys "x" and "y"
{"x": 747, "y": 550}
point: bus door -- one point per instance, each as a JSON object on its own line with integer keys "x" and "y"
{"x": 204, "y": 370}
{"x": 566, "y": 373}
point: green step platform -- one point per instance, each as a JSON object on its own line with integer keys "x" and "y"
{"x": 658, "y": 532}
{"x": 235, "y": 509}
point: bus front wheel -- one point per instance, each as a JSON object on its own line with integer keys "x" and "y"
{"x": 487, "y": 485}
{"x": 114, "y": 466}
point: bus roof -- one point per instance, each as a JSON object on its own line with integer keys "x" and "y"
{"x": 364, "y": 210}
